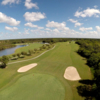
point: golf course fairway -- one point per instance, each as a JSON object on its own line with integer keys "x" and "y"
{"x": 34, "y": 87}
{"x": 45, "y": 81}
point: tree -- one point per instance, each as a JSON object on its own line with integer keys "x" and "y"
{"x": 30, "y": 52}
{"x": 18, "y": 54}
{"x": 85, "y": 91}
{"x": 94, "y": 60}
{"x": 35, "y": 49}
{"x": 4, "y": 61}
{"x": 14, "y": 55}
{"x": 40, "y": 48}
{"x": 24, "y": 53}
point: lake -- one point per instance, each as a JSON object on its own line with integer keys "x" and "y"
{"x": 10, "y": 50}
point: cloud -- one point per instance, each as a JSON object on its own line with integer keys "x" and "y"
{"x": 56, "y": 30}
{"x": 55, "y": 24}
{"x": 85, "y": 29}
{"x": 34, "y": 16}
{"x": 88, "y": 13}
{"x": 95, "y": 6}
{"x": 72, "y": 20}
{"x": 9, "y": 20}
{"x": 47, "y": 29}
{"x": 29, "y": 4}
{"x": 5, "y": 2}
{"x": 91, "y": 34}
{"x": 26, "y": 31}
{"x": 11, "y": 28}
{"x": 33, "y": 26}
{"x": 98, "y": 28}
{"x": 76, "y": 22}
{"x": 40, "y": 27}
{"x": 60, "y": 26}
{"x": 19, "y": 32}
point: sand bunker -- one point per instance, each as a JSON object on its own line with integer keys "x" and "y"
{"x": 27, "y": 67}
{"x": 71, "y": 73}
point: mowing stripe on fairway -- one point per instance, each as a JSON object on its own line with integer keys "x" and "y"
{"x": 34, "y": 87}
{"x": 32, "y": 58}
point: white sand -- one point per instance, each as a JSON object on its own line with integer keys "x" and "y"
{"x": 27, "y": 67}
{"x": 71, "y": 73}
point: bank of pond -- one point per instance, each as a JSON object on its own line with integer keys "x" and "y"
{"x": 22, "y": 54}
{"x": 10, "y": 50}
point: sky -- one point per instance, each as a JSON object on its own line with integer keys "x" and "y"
{"x": 49, "y": 19}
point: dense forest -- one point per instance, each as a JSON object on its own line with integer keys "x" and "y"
{"x": 16, "y": 41}
{"x": 49, "y": 40}
{"x": 90, "y": 49}
{"x": 5, "y": 44}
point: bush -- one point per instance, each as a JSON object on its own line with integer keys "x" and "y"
{"x": 49, "y": 46}
{"x": 14, "y": 55}
{"x": 18, "y": 54}
{"x": 22, "y": 56}
{"x": 2, "y": 65}
{"x": 28, "y": 54}
{"x": 40, "y": 49}
{"x": 5, "y": 59}
{"x": 44, "y": 46}
{"x": 31, "y": 51}
{"x": 23, "y": 53}
{"x": 14, "y": 58}
{"x": 34, "y": 52}
{"x": 35, "y": 49}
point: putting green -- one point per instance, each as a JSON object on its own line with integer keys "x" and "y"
{"x": 34, "y": 87}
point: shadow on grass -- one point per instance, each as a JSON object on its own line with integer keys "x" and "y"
{"x": 86, "y": 89}
{"x": 87, "y": 81}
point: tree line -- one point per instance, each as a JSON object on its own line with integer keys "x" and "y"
{"x": 90, "y": 49}
{"x": 31, "y": 40}
{"x": 5, "y": 45}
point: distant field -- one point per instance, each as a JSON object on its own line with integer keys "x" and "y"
{"x": 51, "y": 65}
{"x": 31, "y": 46}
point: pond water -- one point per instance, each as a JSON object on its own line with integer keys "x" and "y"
{"x": 10, "y": 50}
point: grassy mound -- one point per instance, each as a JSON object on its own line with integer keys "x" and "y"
{"x": 34, "y": 87}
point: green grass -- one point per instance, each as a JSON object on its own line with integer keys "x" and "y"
{"x": 37, "y": 87}
{"x": 52, "y": 63}
{"x": 31, "y": 46}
